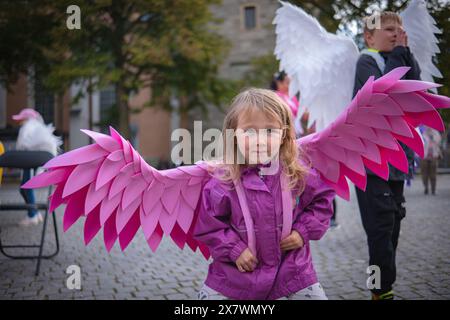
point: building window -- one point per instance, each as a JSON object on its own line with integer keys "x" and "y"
{"x": 108, "y": 108}
{"x": 250, "y": 17}
{"x": 44, "y": 101}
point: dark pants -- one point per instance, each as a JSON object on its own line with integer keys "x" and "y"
{"x": 28, "y": 194}
{"x": 381, "y": 207}
{"x": 428, "y": 172}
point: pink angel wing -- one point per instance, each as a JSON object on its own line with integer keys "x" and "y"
{"x": 366, "y": 134}
{"x": 110, "y": 184}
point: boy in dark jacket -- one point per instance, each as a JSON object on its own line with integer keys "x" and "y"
{"x": 382, "y": 204}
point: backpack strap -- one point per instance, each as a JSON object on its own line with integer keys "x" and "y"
{"x": 247, "y": 217}
{"x": 377, "y": 57}
{"x": 286, "y": 198}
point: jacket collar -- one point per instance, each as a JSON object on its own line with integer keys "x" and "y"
{"x": 251, "y": 178}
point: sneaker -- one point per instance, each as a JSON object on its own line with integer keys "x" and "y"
{"x": 35, "y": 220}
{"x": 385, "y": 296}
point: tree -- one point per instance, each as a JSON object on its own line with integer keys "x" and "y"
{"x": 129, "y": 44}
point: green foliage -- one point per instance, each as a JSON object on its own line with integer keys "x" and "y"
{"x": 261, "y": 72}
{"x": 166, "y": 45}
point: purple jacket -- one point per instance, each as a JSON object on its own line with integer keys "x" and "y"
{"x": 221, "y": 227}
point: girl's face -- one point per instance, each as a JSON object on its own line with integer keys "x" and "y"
{"x": 259, "y": 137}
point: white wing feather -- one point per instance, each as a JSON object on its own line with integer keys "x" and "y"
{"x": 421, "y": 29}
{"x": 321, "y": 65}
{"x": 34, "y": 135}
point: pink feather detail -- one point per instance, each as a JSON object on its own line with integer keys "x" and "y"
{"x": 431, "y": 119}
{"x": 109, "y": 206}
{"x": 95, "y": 197}
{"x": 437, "y": 101}
{"x": 407, "y": 86}
{"x": 155, "y": 239}
{"x": 167, "y": 221}
{"x": 399, "y": 126}
{"x": 81, "y": 176}
{"x": 78, "y": 156}
{"x": 92, "y": 225}
{"x": 56, "y": 198}
{"x": 412, "y": 102}
{"x": 74, "y": 209}
{"x": 150, "y": 221}
{"x": 52, "y": 176}
{"x": 366, "y": 135}
{"x": 372, "y": 151}
{"x": 380, "y": 169}
{"x": 106, "y": 142}
{"x": 121, "y": 180}
{"x": 111, "y": 185}
{"x": 152, "y": 196}
{"x": 115, "y": 135}
{"x": 109, "y": 232}
{"x": 109, "y": 170}
{"x": 178, "y": 236}
{"x": 389, "y": 79}
{"x": 387, "y": 107}
{"x": 124, "y": 215}
{"x": 129, "y": 231}
{"x": 185, "y": 215}
{"x": 134, "y": 190}
{"x": 358, "y": 179}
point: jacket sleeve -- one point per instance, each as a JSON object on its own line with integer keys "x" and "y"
{"x": 398, "y": 57}
{"x": 213, "y": 225}
{"x": 315, "y": 209}
{"x": 414, "y": 73}
{"x": 365, "y": 68}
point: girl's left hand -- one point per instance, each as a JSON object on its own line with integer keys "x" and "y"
{"x": 293, "y": 241}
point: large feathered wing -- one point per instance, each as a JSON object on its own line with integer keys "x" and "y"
{"x": 366, "y": 134}
{"x": 321, "y": 65}
{"x": 421, "y": 29}
{"x": 111, "y": 185}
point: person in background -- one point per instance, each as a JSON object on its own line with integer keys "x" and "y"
{"x": 34, "y": 135}
{"x": 280, "y": 84}
{"x": 428, "y": 165}
{"x": 382, "y": 203}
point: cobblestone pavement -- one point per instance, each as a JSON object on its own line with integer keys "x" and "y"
{"x": 340, "y": 258}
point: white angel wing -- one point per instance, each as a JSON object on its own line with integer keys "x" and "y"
{"x": 421, "y": 29}
{"x": 321, "y": 65}
{"x": 35, "y": 135}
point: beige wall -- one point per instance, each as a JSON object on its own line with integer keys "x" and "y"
{"x": 154, "y": 128}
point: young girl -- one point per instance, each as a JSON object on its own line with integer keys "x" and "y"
{"x": 280, "y": 268}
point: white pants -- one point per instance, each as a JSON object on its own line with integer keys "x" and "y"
{"x": 313, "y": 292}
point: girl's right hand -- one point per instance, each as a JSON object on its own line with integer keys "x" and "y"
{"x": 246, "y": 261}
